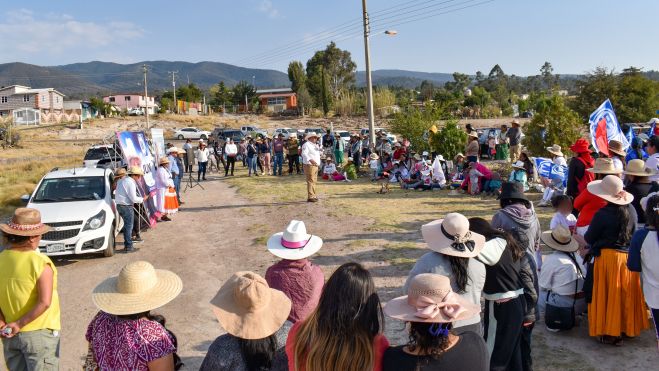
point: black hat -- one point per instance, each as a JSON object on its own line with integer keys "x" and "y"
{"x": 512, "y": 191}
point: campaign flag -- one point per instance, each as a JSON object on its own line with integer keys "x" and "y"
{"x": 136, "y": 152}
{"x": 547, "y": 169}
{"x": 604, "y": 127}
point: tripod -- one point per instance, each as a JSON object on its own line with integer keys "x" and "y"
{"x": 192, "y": 183}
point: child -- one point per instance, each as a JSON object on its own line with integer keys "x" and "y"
{"x": 519, "y": 175}
{"x": 492, "y": 144}
{"x": 474, "y": 178}
{"x": 563, "y": 216}
{"x": 350, "y": 170}
{"x": 374, "y": 165}
{"x": 494, "y": 185}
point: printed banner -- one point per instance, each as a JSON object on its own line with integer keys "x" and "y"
{"x": 604, "y": 127}
{"x": 137, "y": 153}
{"x": 158, "y": 141}
{"x": 547, "y": 169}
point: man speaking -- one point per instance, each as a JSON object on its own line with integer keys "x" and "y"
{"x": 310, "y": 163}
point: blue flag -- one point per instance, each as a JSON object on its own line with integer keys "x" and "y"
{"x": 547, "y": 169}
{"x": 604, "y": 127}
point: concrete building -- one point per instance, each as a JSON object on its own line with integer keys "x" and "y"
{"x": 16, "y": 99}
{"x": 277, "y": 100}
{"x": 128, "y": 101}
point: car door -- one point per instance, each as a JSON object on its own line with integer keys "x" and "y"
{"x": 109, "y": 198}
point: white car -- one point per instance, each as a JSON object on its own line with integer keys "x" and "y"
{"x": 286, "y": 132}
{"x": 135, "y": 112}
{"x": 78, "y": 205}
{"x": 191, "y": 133}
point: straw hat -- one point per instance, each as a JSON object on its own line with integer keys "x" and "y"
{"x": 451, "y": 236}
{"x": 644, "y": 200}
{"x": 417, "y": 157}
{"x": 311, "y": 135}
{"x": 25, "y": 222}
{"x": 560, "y": 239}
{"x": 181, "y": 150}
{"x": 519, "y": 165}
{"x": 119, "y": 173}
{"x": 459, "y": 155}
{"x": 135, "y": 170}
{"x": 604, "y": 166}
{"x": 616, "y": 147}
{"x": 610, "y": 189}
{"x": 637, "y": 167}
{"x": 515, "y": 122}
{"x": 473, "y": 134}
{"x": 294, "y": 243}
{"x": 374, "y": 156}
{"x": 172, "y": 150}
{"x": 138, "y": 288}
{"x": 248, "y": 308}
{"x": 555, "y": 150}
{"x": 163, "y": 161}
{"x": 430, "y": 299}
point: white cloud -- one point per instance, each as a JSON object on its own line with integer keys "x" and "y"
{"x": 27, "y": 34}
{"x": 266, "y": 7}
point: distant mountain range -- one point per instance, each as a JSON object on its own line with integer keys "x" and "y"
{"x": 402, "y": 78}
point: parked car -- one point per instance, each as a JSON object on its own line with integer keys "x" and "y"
{"x": 191, "y": 133}
{"x": 285, "y": 131}
{"x": 254, "y": 130}
{"x": 78, "y": 205}
{"x": 483, "y": 137}
{"x": 391, "y": 137}
{"x": 135, "y": 112}
{"x": 223, "y": 134}
{"x": 318, "y": 131}
{"x": 104, "y": 155}
{"x": 527, "y": 115}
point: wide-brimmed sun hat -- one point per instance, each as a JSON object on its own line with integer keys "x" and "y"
{"x": 430, "y": 299}
{"x": 181, "y": 150}
{"x": 417, "y": 157}
{"x": 560, "y": 239}
{"x": 555, "y": 150}
{"x": 580, "y": 146}
{"x": 138, "y": 288}
{"x": 604, "y": 165}
{"x": 637, "y": 167}
{"x": 473, "y": 134}
{"x": 135, "y": 170}
{"x": 611, "y": 189}
{"x": 616, "y": 147}
{"x": 172, "y": 149}
{"x": 163, "y": 161}
{"x": 653, "y": 121}
{"x": 440, "y": 158}
{"x": 248, "y": 308}
{"x": 374, "y": 156}
{"x": 311, "y": 135}
{"x": 121, "y": 172}
{"x": 515, "y": 122}
{"x": 519, "y": 165}
{"x": 25, "y": 222}
{"x": 294, "y": 242}
{"x": 644, "y": 200}
{"x": 459, "y": 155}
{"x": 451, "y": 236}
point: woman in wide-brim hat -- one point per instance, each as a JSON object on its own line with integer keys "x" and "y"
{"x": 453, "y": 249}
{"x": 28, "y": 280}
{"x": 254, "y": 316}
{"x": 431, "y": 308}
{"x": 638, "y": 183}
{"x": 617, "y": 153}
{"x": 616, "y": 307}
{"x": 166, "y": 200}
{"x": 125, "y": 334}
{"x": 561, "y": 279}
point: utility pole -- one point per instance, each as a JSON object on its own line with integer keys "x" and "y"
{"x": 369, "y": 83}
{"x": 146, "y": 98}
{"x": 173, "y": 73}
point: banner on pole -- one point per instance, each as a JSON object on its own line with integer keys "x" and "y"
{"x": 158, "y": 140}
{"x": 137, "y": 153}
{"x": 604, "y": 127}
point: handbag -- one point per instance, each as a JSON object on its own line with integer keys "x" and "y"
{"x": 563, "y": 318}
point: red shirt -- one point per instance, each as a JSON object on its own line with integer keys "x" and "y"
{"x": 399, "y": 153}
{"x": 380, "y": 345}
{"x": 587, "y": 204}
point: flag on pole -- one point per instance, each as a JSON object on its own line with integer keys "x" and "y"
{"x": 604, "y": 127}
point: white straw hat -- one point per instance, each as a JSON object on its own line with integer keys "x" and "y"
{"x": 611, "y": 189}
{"x": 637, "y": 167}
{"x": 138, "y": 288}
{"x": 519, "y": 165}
{"x": 294, "y": 243}
{"x": 604, "y": 166}
{"x": 560, "y": 239}
{"x": 555, "y": 150}
{"x": 451, "y": 236}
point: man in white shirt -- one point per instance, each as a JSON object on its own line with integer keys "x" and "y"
{"x": 231, "y": 150}
{"x": 652, "y": 163}
{"x": 310, "y": 162}
{"x": 125, "y": 196}
{"x": 202, "y": 155}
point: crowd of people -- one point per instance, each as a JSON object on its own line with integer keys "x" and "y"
{"x": 471, "y": 302}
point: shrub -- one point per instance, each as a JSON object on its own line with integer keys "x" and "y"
{"x": 554, "y": 124}
{"x": 449, "y": 140}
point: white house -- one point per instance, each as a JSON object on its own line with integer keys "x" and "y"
{"x": 17, "y": 100}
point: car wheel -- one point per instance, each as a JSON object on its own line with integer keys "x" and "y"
{"x": 180, "y": 137}
{"x": 109, "y": 251}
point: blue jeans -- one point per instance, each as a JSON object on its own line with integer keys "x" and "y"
{"x": 177, "y": 186}
{"x": 127, "y": 215}
{"x": 251, "y": 163}
{"x": 201, "y": 172}
{"x": 279, "y": 163}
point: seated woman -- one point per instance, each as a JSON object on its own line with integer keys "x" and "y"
{"x": 528, "y": 166}
{"x": 387, "y": 166}
{"x": 479, "y": 174}
{"x": 124, "y": 334}
{"x": 329, "y": 171}
{"x": 561, "y": 280}
{"x": 350, "y": 170}
{"x": 519, "y": 175}
{"x": 430, "y": 308}
{"x": 254, "y": 317}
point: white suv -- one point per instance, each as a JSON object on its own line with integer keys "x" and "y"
{"x": 77, "y": 204}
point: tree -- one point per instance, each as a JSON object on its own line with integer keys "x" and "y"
{"x": 383, "y": 98}
{"x": 189, "y": 93}
{"x": 222, "y": 95}
{"x": 427, "y": 90}
{"x": 460, "y": 82}
{"x": 414, "y": 124}
{"x": 449, "y": 140}
{"x": 166, "y": 104}
{"x": 329, "y": 73}
{"x": 242, "y": 90}
{"x": 556, "y": 123}
{"x": 100, "y": 106}
{"x": 638, "y": 96}
{"x": 547, "y": 77}
{"x": 304, "y": 100}
{"x": 594, "y": 88}
{"x": 297, "y": 75}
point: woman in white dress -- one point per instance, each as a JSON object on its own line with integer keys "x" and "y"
{"x": 166, "y": 202}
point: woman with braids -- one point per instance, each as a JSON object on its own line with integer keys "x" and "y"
{"x": 616, "y": 305}
{"x": 345, "y": 331}
{"x": 431, "y": 307}
{"x": 504, "y": 298}
{"x": 454, "y": 248}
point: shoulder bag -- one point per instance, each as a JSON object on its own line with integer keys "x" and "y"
{"x": 563, "y": 318}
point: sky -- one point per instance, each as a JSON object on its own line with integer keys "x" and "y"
{"x": 575, "y": 36}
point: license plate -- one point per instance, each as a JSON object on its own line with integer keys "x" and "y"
{"x": 56, "y": 247}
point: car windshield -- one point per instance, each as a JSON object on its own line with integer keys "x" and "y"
{"x": 71, "y": 189}
{"x": 291, "y": 130}
{"x": 99, "y": 153}
{"x": 344, "y": 135}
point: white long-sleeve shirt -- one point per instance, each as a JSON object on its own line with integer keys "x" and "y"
{"x": 329, "y": 169}
{"x": 202, "y": 155}
{"x": 126, "y": 192}
{"x": 310, "y": 151}
{"x": 231, "y": 150}
{"x": 559, "y": 274}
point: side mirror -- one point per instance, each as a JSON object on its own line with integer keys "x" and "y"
{"x": 25, "y": 199}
